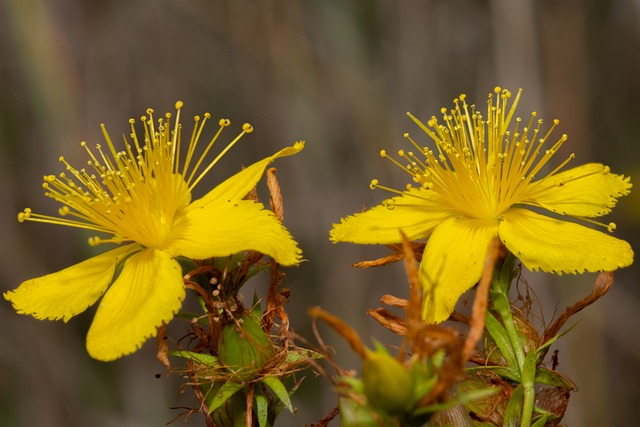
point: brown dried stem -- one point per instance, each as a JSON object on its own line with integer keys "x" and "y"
{"x": 275, "y": 196}
{"x": 602, "y": 285}
{"x": 341, "y": 327}
{"x": 479, "y": 310}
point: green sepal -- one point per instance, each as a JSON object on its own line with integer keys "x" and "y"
{"x": 506, "y": 275}
{"x": 187, "y": 264}
{"x": 234, "y": 281}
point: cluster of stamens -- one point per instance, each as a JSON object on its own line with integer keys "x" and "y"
{"x": 481, "y": 167}
{"x": 133, "y": 194}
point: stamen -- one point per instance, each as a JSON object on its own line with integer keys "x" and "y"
{"x": 376, "y": 184}
{"x": 383, "y": 154}
{"x": 246, "y": 128}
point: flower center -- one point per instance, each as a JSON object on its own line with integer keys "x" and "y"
{"x": 136, "y": 194}
{"x": 479, "y": 167}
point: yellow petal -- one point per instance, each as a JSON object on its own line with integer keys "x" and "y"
{"x": 452, "y": 263}
{"x": 148, "y": 291}
{"x": 551, "y": 245}
{"x": 221, "y": 229}
{"x": 237, "y": 186}
{"x": 416, "y": 213}
{"x": 589, "y": 190}
{"x": 68, "y": 292}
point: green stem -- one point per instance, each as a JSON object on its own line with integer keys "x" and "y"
{"x": 526, "y": 363}
{"x": 528, "y": 381}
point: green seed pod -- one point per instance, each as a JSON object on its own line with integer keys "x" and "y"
{"x": 387, "y": 384}
{"x": 245, "y": 348}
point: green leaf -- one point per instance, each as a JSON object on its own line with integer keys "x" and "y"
{"x": 553, "y": 378}
{"x": 424, "y": 380}
{"x": 277, "y": 408}
{"x": 300, "y": 355}
{"x": 215, "y": 400}
{"x": 542, "y": 421}
{"x": 461, "y": 399}
{"x": 501, "y": 338}
{"x": 256, "y": 310}
{"x": 501, "y": 371}
{"x": 355, "y": 414}
{"x": 514, "y": 409}
{"x": 202, "y": 358}
{"x": 542, "y": 350}
{"x": 262, "y": 407}
{"x": 280, "y": 390}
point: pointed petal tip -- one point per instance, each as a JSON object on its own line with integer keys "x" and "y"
{"x": 288, "y": 151}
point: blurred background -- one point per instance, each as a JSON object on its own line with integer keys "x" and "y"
{"x": 340, "y": 75}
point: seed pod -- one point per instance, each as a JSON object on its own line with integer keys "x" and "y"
{"x": 387, "y": 384}
{"x": 245, "y": 347}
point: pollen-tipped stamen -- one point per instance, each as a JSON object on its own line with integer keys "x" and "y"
{"x": 246, "y": 128}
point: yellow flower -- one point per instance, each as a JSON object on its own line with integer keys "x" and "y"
{"x": 141, "y": 197}
{"x": 480, "y": 182}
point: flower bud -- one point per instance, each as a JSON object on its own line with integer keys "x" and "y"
{"x": 245, "y": 347}
{"x": 387, "y": 384}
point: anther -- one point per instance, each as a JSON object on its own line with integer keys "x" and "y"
{"x": 224, "y": 122}
{"x": 611, "y": 227}
{"x": 24, "y": 215}
{"x": 383, "y": 153}
{"x": 179, "y": 105}
{"x": 374, "y": 184}
{"x": 247, "y": 128}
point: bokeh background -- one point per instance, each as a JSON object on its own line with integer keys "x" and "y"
{"x": 340, "y": 75}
